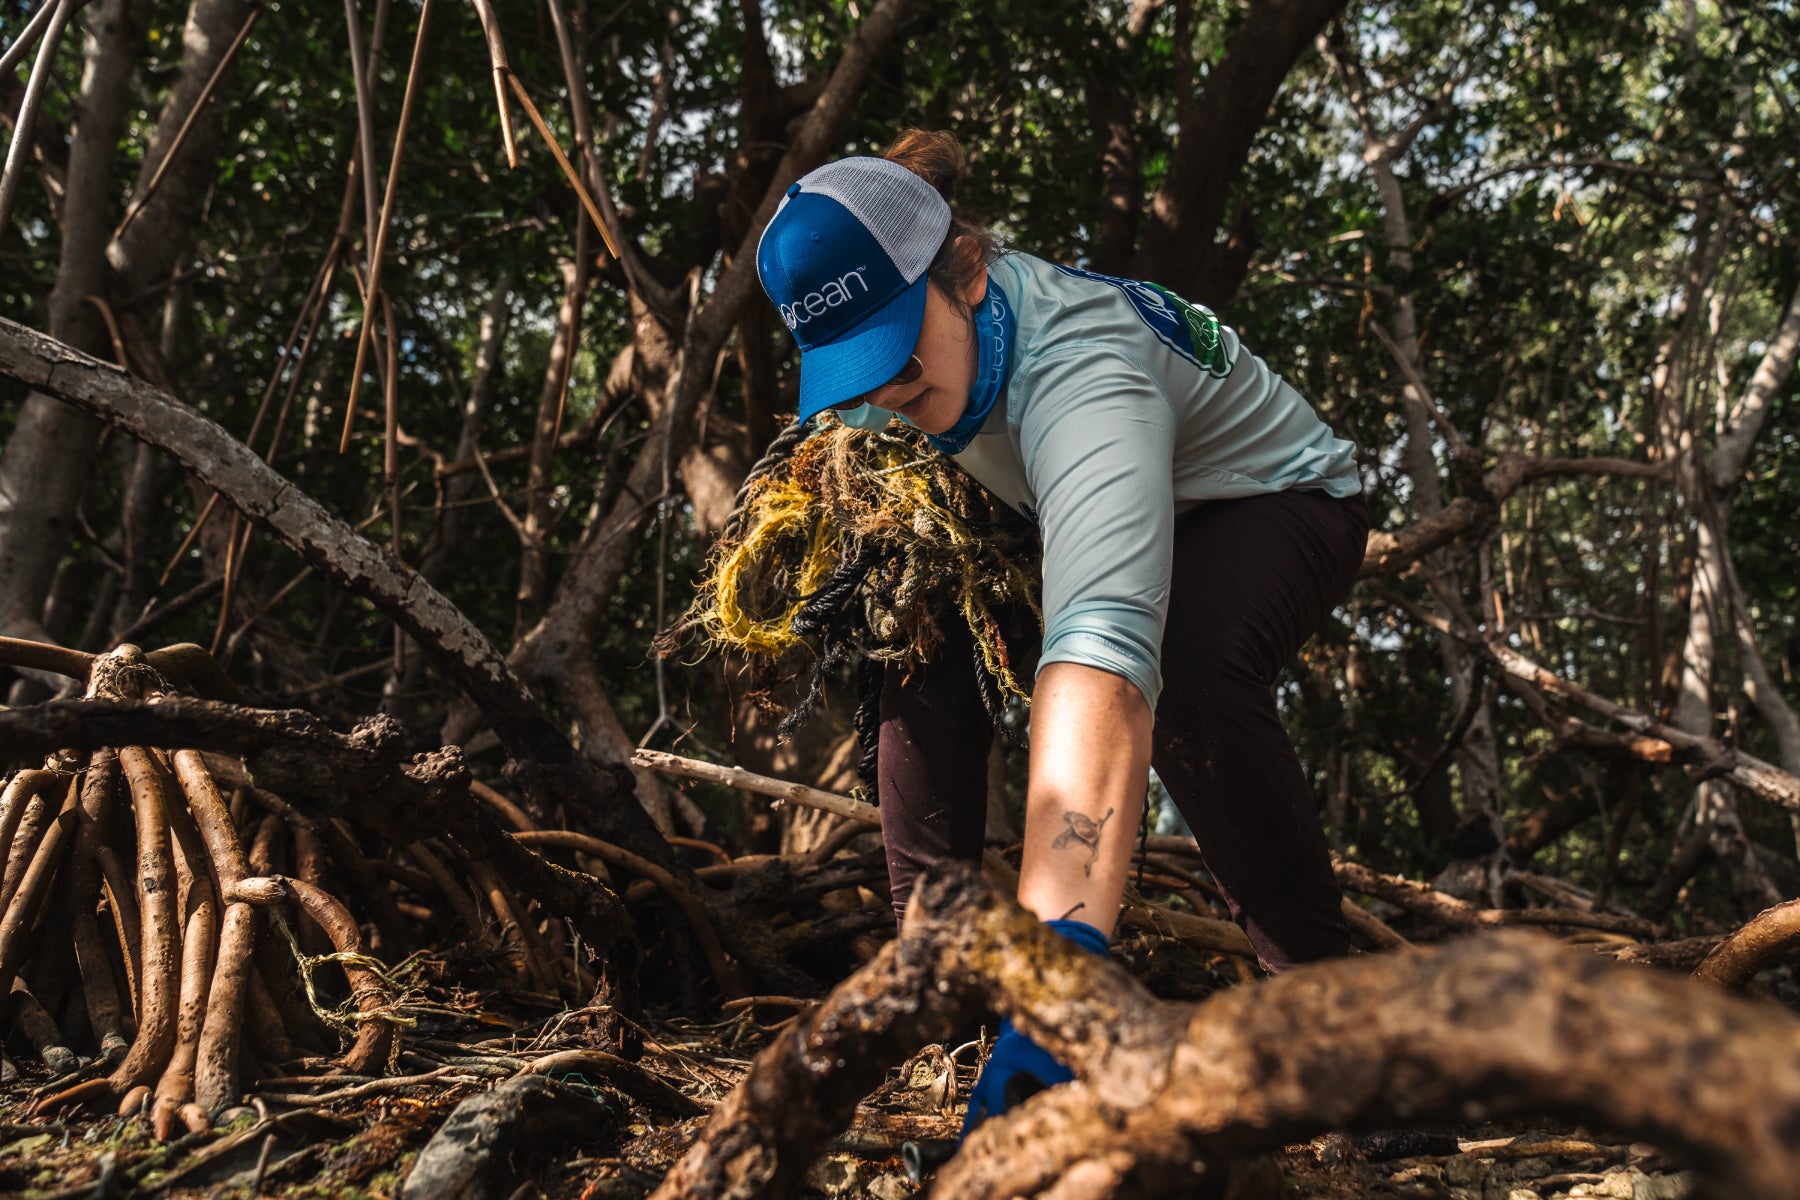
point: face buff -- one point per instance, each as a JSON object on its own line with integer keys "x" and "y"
{"x": 995, "y": 325}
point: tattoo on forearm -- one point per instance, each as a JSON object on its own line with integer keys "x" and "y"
{"x": 1085, "y": 830}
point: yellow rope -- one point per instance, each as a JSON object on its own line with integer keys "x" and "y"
{"x": 346, "y": 1016}
{"x": 961, "y": 553}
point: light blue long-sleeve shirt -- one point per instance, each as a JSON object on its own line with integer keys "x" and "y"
{"x": 1126, "y": 406}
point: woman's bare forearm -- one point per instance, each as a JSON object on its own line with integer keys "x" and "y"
{"x": 1090, "y": 762}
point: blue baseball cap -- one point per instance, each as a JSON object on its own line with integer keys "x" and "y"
{"x": 844, "y": 260}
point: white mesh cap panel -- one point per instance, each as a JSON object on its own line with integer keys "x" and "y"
{"x": 905, "y": 213}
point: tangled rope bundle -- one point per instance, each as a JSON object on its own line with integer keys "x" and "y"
{"x": 854, "y": 542}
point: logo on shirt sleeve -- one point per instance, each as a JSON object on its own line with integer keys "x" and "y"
{"x": 1191, "y": 330}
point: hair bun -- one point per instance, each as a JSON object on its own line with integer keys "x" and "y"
{"x": 931, "y": 154}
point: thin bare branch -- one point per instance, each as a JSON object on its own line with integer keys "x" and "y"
{"x": 379, "y": 248}
{"x": 28, "y": 36}
{"x": 490, "y": 28}
{"x": 1392, "y": 551}
{"x": 20, "y": 147}
{"x": 1459, "y": 449}
{"x": 365, "y": 120}
{"x": 143, "y": 200}
{"x": 762, "y": 785}
{"x": 562, "y": 160}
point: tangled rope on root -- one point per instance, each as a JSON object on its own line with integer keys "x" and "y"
{"x": 137, "y": 852}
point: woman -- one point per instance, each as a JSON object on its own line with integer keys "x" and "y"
{"x": 1199, "y": 523}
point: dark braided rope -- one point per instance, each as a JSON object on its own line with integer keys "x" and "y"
{"x": 870, "y": 676}
{"x": 837, "y": 653}
{"x": 826, "y": 615}
{"x": 780, "y": 448}
{"x": 993, "y": 701}
{"x": 836, "y": 594}
{"x": 829, "y": 615}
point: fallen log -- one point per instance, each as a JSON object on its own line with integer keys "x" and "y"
{"x": 1496, "y": 1023}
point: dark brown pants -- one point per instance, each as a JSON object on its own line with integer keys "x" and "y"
{"x": 1253, "y": 579}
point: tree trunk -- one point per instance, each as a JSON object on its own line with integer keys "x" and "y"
{"x": 1217, "y": 130}
{"x": 45, "y": 463}
{"x": 1479, "y": 865}
{"x": 1706, "y": 489}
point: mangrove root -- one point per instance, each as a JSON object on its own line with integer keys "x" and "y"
{"x": 139, "y": 853}
{"x": 1496, "y": 1023}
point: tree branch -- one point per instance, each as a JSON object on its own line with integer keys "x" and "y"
{"x": 326, "y": 543}
{"x": 1707, "y": 757}
{"x": 1216, "y": 133}
{"x": 1732, "y": 452}
{"x": 1441, "y": 908}
{"x": 1391, "y": 552}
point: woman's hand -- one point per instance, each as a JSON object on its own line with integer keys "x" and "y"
{"x": 1090, "y": 764}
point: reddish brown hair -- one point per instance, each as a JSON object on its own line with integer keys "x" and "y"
{"x": 935, "y": 157}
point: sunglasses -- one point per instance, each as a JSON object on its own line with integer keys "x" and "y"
{"x": 910, "y": 372}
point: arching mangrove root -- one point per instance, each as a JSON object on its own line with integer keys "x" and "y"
{"x": 200, "y": 936}
{"x": 1495, "y": 1023}
{"x": 374, "y": 1000}
{"x": 40, "y": 1030}
{"x": 159, "y": 950}
{"x": 137, "y": 853}
{"x": 216, "y": 1054}
{"x": 107, "y": 1016}
{"x": 1736, "y": 960}
{"x": 26, "y": 901}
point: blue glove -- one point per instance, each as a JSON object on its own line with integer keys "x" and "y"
{"x": 1017, "y": 1067}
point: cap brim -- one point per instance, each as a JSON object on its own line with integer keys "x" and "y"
{"x": 865, "y": 358}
